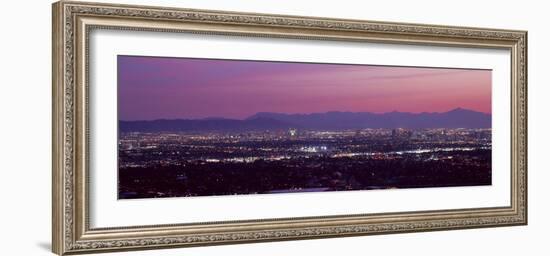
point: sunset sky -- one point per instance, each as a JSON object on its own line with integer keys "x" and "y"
{"x": 170, "y": 88}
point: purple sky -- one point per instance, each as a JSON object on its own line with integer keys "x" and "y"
{"x": 170, "y": 88}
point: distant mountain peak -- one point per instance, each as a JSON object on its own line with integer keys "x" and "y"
{"x": 465, "y": 110}
{"x": 271, "y": 114}
{"x": 332, "y": 120}
{"x": 459, "y": 109}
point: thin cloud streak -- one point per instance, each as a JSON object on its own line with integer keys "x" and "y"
{"x": 417, "y": 75}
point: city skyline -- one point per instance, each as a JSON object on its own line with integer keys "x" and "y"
{"x": 187, "y": 164}
{"x": 185, "y": 88}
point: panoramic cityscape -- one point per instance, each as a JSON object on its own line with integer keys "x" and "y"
{"x": 201, "y": 127}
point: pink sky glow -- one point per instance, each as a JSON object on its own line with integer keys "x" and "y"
{"x": 169, "y": 88}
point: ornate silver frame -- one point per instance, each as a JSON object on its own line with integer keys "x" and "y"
{"x": 72, "y": 22}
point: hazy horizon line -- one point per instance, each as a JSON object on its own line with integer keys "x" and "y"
{"x": 311, "y": 113}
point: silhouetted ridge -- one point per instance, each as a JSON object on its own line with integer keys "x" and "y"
{"x": 334, "y": 120}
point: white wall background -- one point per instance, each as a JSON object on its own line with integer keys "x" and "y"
{"x": 25, "y": 114}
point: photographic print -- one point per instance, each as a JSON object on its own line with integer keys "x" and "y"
{"x": 211, "y": 127}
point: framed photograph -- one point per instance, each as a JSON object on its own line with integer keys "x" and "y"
{"x": 179, "y": 127}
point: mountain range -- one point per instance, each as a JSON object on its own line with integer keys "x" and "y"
{"x": 334, "y": 120}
